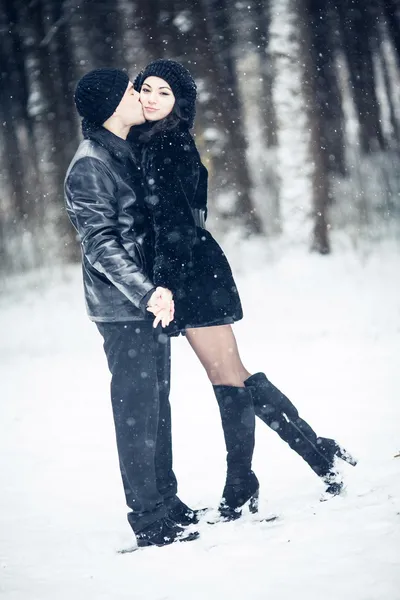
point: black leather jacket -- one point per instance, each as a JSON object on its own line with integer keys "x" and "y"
{"x": 105, "y": 202}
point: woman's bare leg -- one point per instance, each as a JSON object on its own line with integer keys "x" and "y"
{"x": 217, "y": 350}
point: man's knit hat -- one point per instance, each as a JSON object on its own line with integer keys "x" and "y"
{"x": 99, "y": 92}
{"x": 178, "y": 77}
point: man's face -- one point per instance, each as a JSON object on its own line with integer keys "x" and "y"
{"x": 130, "y": 110}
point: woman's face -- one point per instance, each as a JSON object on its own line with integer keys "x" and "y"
{"x": 157, "y": 98}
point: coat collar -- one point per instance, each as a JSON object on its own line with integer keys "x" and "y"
{"x": 117, "y": 146}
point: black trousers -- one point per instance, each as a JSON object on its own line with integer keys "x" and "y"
{"x": 139, "y": 361}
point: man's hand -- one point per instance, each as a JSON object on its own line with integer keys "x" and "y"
{"x": 161, "y": 304}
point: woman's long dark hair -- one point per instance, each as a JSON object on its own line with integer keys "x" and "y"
{"x": 176, "y": 118}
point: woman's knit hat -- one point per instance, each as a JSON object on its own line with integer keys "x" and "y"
{"x": 178, "y": 77}
{"x": 99, "y": 92}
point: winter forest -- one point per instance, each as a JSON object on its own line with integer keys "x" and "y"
{"x": 298, "y": 124}
{"x": 298, "y": 119}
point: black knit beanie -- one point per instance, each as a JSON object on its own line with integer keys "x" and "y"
{"x": 99, "y": 92}
{"x": 178, "y": 77}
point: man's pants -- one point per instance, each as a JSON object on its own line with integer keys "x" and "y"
{"x": 139, "y": 360}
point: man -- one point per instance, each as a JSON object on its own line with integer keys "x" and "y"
{"x": 105, "y": 202}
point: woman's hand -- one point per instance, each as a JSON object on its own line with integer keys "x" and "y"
{"x": 161, "y": 304}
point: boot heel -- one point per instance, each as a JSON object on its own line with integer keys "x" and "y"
{"x": 345, "y": 456}
{"x": 253, "y": 503}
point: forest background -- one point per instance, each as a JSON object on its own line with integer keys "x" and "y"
{"x": 298, "y": 116}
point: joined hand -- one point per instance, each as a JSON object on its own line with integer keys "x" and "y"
{"x": 161, "y": 304}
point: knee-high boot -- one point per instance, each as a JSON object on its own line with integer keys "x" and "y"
{"x": 238, "y": 423}
{"x": 276, "y": 410}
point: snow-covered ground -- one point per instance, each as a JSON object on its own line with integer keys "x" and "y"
{"x": 326, "y": 330}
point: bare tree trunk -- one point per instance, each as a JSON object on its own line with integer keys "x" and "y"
{"x": 59, "y": 43}
{"x": 357, "y": 29}
{"x": 19, "y": 182}
{"x": 260, "y": 33}
{"x": 223, "y": 40}
{"x": 44, "y": 106}
{"x": 327, "y": 89}
{"x": 381, "y": 39}
{"x": 265, "y": 118}
{"x": 56, "y": 44}
{"x": 18, "y": 123}
{"x": 391, "y": 10}
{"x": 102, "y": 25}
{"x": 14, "y": 166}
{"x": 13, "y": 163}
{"x": 148, "y": 16}
{"x": 318, "y": 150}
{"x": 134, "y": 37}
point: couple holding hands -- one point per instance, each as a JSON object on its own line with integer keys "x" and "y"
{"x": 136, "y": 192}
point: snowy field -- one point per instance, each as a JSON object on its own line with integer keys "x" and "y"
{"x": 325, "y": 330}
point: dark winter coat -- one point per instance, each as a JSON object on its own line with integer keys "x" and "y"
{"x": 187, "y": 259}
{"x": 105, "y": 201}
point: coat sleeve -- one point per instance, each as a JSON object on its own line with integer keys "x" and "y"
{"x": 92, "y": 206}
{"x": 200, "y": 199}
{"x": 174, "y": 226}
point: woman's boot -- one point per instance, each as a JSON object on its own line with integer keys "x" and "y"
{"x": 276, "y": 410}
{"x": 238, "y": 422}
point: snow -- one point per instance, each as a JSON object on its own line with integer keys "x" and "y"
{"x": 325, "y": 329}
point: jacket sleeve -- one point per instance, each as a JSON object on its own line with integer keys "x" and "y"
{"x": 92, "y": 206}
{"x": 174, "y": 226}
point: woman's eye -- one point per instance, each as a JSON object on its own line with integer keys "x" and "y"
{"x": 145, "y": 91}
{"x": 164, "y": 94}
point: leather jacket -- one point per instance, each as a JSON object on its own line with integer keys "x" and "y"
{"x": 105, "y": 203}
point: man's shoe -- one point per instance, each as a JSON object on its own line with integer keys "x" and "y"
{"x": 163, "y": 533}
{"x": 184, "y": 516}
{"x": 181, "y": 514}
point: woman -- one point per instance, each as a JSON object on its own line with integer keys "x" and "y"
{"x": 189, "y": 263}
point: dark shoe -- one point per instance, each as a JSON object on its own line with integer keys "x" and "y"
{"x": 180, "y": 513}
{"x": 236, "y": 495}
{"x": 164, "y": 533}
{"x": 184, "y": 516}
{"x": 238, "y": 422}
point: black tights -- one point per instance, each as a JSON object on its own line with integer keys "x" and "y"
{"x": 217, "y": 350}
